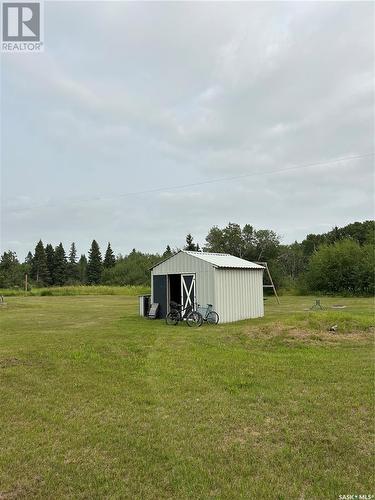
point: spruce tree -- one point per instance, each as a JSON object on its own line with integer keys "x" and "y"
{"x": 72, "y": 268}
{"x": 50, "y": 256}
{"x": 109, "y": 259}
{"x": 82, "y": 269}
{"x": 94, "y": 265}
{"x": 39, "y": 269}
{"x": 73, "y": 254}
{"x": 190, "y": 245}
{"x": 29, "y": 259}
{"x": 167, "y": 252}
{"x": 60, "y": 266}
{"x": 27, "y": 265}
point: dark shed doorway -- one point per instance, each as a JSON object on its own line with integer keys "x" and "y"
{"x": 175, "y": 288}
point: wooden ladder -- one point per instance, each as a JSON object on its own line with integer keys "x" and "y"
{"x": 272, "y": 285}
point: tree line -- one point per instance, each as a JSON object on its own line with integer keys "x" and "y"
{"x": 339, "y": 261}
{"x": 52, "y": 266}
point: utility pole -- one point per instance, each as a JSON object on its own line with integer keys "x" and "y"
{"x": 26, "y": 282}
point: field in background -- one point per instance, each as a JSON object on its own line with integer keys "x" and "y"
{"x": 60, "y": 291}
{"x": 131, "y": 290}
{"x": 97, "y": 402}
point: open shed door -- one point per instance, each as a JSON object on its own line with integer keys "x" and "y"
{"x": 159, "y": 293}
{"x": 188, "y": 290}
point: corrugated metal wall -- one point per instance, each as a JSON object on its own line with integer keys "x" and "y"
{"x": 235, "y": 293}
{"x": 183, "y": 263}
{"x": 239, "y": 294}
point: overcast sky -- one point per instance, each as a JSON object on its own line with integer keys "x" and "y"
{"x": 131, "y": 97}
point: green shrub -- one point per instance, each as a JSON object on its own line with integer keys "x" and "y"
{"x": 343, "y": 268}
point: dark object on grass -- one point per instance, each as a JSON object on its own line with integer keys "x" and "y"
{"x": 317, "y": 306}
{"x": 333, "y": 328}
{"x": 154, "y": 310}
{"x": 144, "y": 304}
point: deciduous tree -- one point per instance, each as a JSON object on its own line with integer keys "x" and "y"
{"x": 11, "y": 274}
{"x": 344, "y": 267}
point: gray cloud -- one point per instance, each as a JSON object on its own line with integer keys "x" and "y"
{"x": 147, "y": 95}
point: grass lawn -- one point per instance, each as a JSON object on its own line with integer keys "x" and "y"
{"x": 99, "y": 403}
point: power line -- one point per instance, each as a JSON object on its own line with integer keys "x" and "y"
{"x": 235, "y": 177}
{"x": 210, "y": 181}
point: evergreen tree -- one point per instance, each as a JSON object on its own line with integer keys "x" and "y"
{"x": 29, "y": 259}
{"x": 39, "y": 269}
{"x": 94, "y": 265}
{"x": 167, "y": 252}
{"x": 82, "y": 269}
{"x": 190, "y": 245}
{"x": 28, "y": 264}
{"x": 72, "y": 267}
{"x": 73, "y": 254}
{"x": 60, "y": 266}
{"x": 109, "y": 259}
{"x": 50, "y": 256}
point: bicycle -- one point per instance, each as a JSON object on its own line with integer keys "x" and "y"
{"x": 208, "y": 314}
{"x": 177, "y": 314}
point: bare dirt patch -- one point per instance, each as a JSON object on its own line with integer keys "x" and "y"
{"x": 26, "y": 490}
{"x": 323, "y": 336}
{"x": 246, "y": 436}
{"x": 292, "y": 333}
{"x": 9, "y": 362}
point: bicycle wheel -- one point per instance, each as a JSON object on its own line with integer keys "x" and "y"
{"x": 172, "y": 318}
{"x": 212, "y": 318}
{"x": 194, "y": 319}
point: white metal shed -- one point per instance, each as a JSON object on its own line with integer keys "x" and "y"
{"x": 232, "y": 285}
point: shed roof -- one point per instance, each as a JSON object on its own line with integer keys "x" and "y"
{"x": 221, "y": 260}
{"x": 224, "y": 260}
